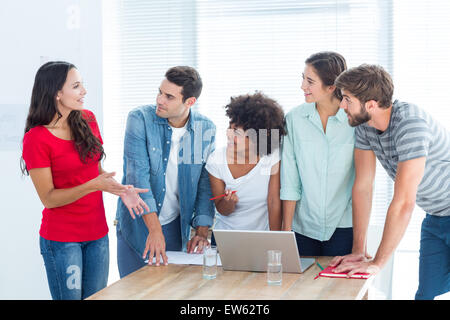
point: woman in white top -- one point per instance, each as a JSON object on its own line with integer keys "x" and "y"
{"x": 247, "y": 169}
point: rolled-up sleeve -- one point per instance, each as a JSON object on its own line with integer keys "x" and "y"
{"x": 291, "y": 186}
{"x": 204, "y": 208}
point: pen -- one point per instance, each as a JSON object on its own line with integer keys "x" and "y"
{"x": 222, "y": 195}
{"x": 321, "y": 268}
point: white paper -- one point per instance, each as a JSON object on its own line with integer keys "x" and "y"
{"x": 180, "y": 257}
{"x": 444, "y": 296}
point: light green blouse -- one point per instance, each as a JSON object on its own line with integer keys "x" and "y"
{"x": 317, "y": 171}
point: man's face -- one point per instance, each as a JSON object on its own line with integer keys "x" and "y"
{"x": 355, "y": 110}
{"x": 169, "y": 101}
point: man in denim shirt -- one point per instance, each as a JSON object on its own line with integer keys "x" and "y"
{"x": 165, "y": 150}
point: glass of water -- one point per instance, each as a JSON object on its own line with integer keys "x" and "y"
{"x": 274, "y": 268}
{"x": 210, "y": 263}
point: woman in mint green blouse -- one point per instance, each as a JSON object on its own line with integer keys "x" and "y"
{"x": 317, "y": 169}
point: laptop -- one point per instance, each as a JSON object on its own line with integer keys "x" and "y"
{"x": 246, "y": 250}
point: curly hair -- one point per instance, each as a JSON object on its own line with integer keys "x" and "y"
{"x": 262, "y": 114}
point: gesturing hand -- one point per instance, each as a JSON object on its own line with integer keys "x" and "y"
{"x": 105, "y": 182}
{"x": 133, "y": 201}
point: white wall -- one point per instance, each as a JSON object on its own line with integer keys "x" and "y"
{"x": 31, "y": 33}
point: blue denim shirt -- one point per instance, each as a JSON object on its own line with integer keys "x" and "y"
{"x": 146, "y": 153}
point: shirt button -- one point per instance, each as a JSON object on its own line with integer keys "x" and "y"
{"x": 153, "y": 148}
{"x": 165, "y": 159}
{"x": 159, "y": 204}
{"x": 168, "y": 142}
{"x": 164, "y": 189}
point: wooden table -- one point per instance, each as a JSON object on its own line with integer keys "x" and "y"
{"x": 185, "y": 282}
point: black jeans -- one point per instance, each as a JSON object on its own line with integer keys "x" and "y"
{"x": 340, "y": 243}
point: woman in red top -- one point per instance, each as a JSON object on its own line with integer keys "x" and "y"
{"x": 62, "y": 149}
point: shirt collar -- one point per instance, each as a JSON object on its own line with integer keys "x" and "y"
{"x": 341, "y": 115}
{"x": 189, "y": 124}
{"x": 308, "y": 110}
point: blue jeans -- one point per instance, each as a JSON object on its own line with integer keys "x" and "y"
{"x": 128, "y": 260}
{"x": 75, "y": 270}
{"x": 434, "y": 259}
{"x": 340, "y": 244}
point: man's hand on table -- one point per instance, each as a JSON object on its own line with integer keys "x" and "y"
{"x": 199, "y": 241}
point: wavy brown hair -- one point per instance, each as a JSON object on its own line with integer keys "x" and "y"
{"x": 50, "y": 78}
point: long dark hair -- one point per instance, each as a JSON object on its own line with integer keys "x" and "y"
{"x": 50, "y": 78}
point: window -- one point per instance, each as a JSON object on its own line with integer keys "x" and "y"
{"x": 243, "y": 46}
{"x": 420, "y": 72}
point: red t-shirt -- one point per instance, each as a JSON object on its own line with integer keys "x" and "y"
{"x": 84, "y": 219}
